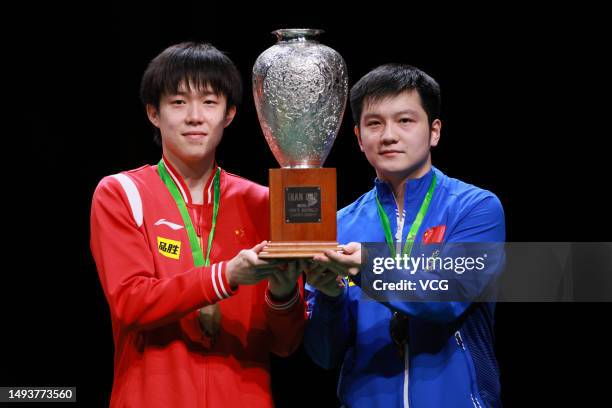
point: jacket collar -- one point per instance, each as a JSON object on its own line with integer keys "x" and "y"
{"x": 182, "y": 186}
{"x": 414, "y": 193}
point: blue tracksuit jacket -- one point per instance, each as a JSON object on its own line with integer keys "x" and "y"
{"x": 449, "y": 359}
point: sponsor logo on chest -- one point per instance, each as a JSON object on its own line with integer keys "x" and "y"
{"x": 169, "y": 247}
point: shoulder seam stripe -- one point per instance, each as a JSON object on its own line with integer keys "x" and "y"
{"x": 133, "y": 195}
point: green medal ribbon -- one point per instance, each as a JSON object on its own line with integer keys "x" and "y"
{"x": 196, "y": 250}
{"x": 416, "y": 224}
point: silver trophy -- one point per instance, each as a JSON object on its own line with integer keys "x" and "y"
{"x": 300, "y": 89}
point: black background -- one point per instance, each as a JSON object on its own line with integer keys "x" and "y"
{"x": 523, "y": 92}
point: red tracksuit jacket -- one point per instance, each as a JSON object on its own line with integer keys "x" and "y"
{"x": 143, "y": 257}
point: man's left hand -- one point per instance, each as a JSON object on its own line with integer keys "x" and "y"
{"x": 282, "y": 282}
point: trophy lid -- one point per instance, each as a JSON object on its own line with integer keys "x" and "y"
{"x": 297, "y": 34}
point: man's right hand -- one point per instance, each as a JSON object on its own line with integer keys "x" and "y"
{"x": 247, "y": 269}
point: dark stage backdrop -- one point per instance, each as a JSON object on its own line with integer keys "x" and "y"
{"x": 520, "y": 117}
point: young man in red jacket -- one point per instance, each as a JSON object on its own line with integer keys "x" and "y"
{"x": 194, "y": 312}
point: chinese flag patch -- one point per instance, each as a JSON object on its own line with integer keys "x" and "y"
{"x": 434, "y": 235}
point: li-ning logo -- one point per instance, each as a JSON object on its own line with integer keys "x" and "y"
{"x": 169, "y": 247}
{"x": 172, "y": 225}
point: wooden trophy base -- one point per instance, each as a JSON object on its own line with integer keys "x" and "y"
{"x": 302, "y": 213}
{"x": 296, "y": 250}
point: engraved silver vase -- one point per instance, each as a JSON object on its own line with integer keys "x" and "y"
{"x": 300, "y": 88}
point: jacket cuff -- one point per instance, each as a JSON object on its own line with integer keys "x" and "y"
{"x": 284, "y": 304}
{"x": 215, "y": 283}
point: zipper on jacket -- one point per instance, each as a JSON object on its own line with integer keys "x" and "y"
{"x": 398, "y": 239}
{"x": 399, "y": 231}
{"x": 399, "y": 221}
{"x": 459, "y": 340}
{"x": 475, "y": 401}
{"x": 461, "y": 344}
{"x": 406, "y": 376}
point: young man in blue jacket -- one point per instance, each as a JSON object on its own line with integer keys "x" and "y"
{"x": 394, "y": 353}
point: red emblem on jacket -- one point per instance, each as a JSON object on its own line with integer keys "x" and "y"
{"x": 434, "y": 235}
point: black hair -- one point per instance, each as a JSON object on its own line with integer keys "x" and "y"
{"x": 393, "y": 79}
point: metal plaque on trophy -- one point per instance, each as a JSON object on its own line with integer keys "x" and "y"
{"x": 300, "y": 88}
